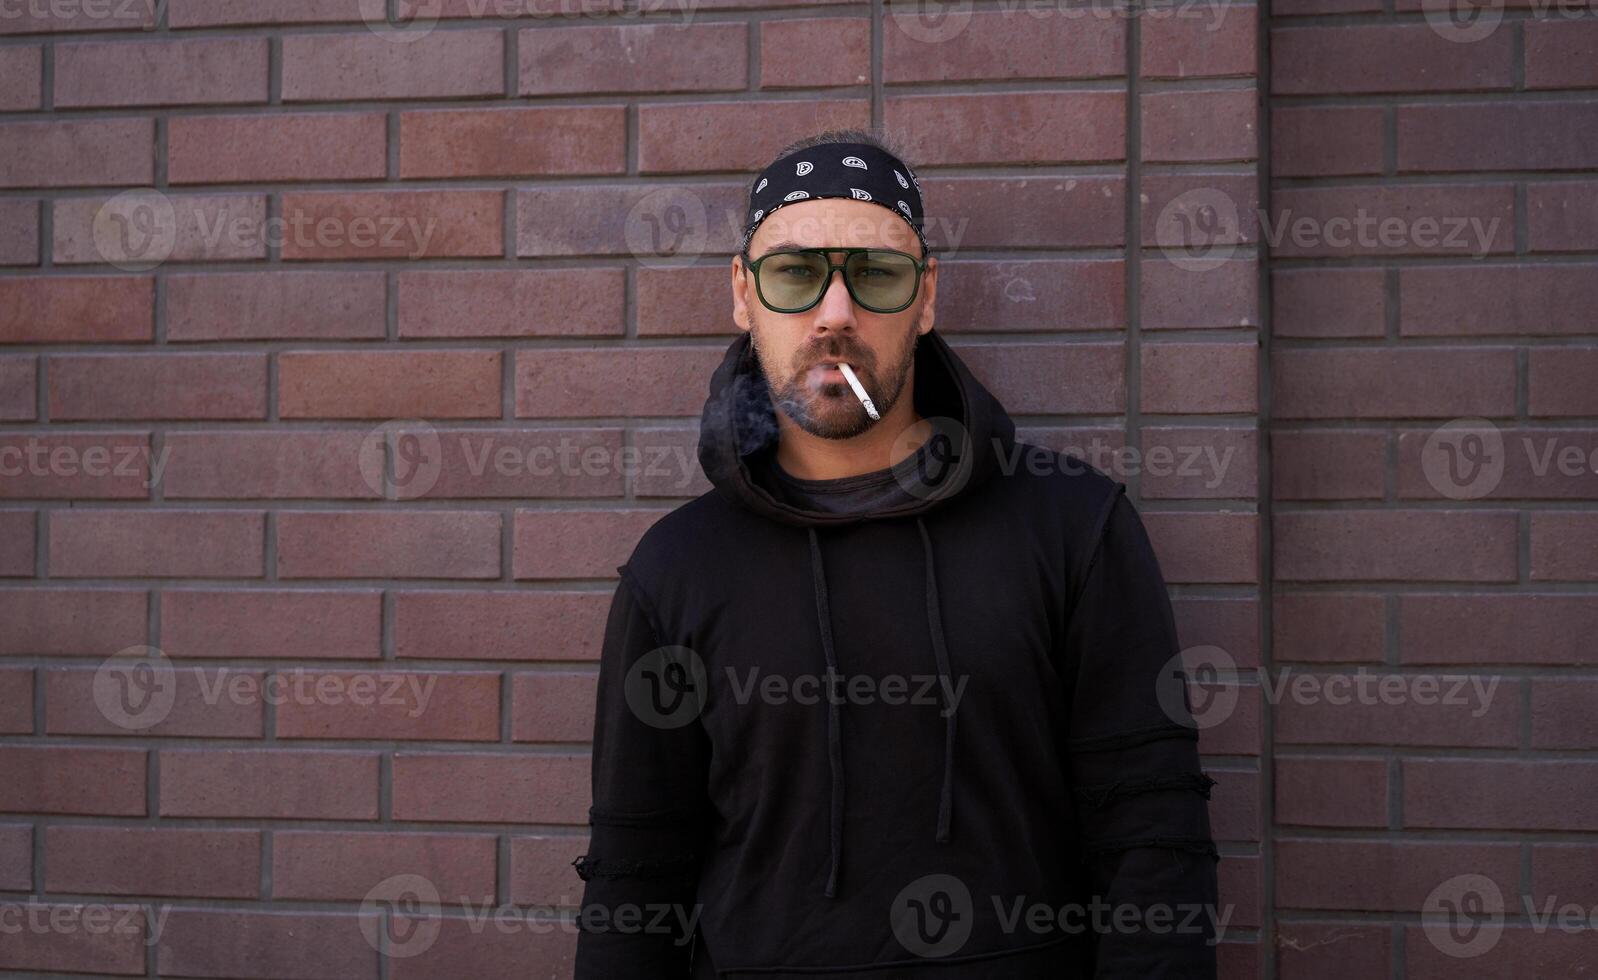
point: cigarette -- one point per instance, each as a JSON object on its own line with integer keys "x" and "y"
{"x": 859, "y": 392}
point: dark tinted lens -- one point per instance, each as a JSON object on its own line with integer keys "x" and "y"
{"x": 882, "y": 280}
{"x": 792, "y": 280}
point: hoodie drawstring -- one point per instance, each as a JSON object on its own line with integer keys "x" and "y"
{"x": 834, "y": 729}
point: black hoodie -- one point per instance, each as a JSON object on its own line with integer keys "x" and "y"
{"x": 745, "y": 824}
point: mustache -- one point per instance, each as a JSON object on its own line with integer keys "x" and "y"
{"x": 857, "y": 359}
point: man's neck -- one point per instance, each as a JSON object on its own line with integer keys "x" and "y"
{"x": 885, "y": 443}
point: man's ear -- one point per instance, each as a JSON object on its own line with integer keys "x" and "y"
{"x": 929, "y": 291}
{"x": 740, "y": 294}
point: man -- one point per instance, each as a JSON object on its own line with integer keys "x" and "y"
{"x": 897, "y": 683}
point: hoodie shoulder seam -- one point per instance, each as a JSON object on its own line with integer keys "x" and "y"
{"x": 1100, "y": 530}
{"x": 641, "y": 596}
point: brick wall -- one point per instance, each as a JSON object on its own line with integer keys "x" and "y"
{"x": 346, "y": 357}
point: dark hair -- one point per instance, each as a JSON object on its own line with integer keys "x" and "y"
{"x": 876, "y": 136}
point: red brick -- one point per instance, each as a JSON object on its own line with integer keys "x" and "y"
{"x": 206, "y": 228}
{"x": 21, "y": 77}
{"x": 1371, "y": 383}
{"x": 1186, "y": 126}
{"x": 71, "y": 622}
{"x": 513, "y": 303}
{"x": 1018, "y": 127}
{"x": 1385, "y": 876}
{"x": 985, "y": 295}
{"x": 1492, "y": 794}
{"x": 1201, "y": 547}
{"x": 1564, "y": 546}
{"x": 203, "y": 706}
{"x": 1026, "y": 377}
{"x": 1326, "y": 141}
{"x": 557, "y": 383}
{"x": 1498, "y": 136}
{"x": 1347, "y": 59}
{"x": 484, "y": 625}
{"x": 1233, "y": 728}
{"x": 1242, "y": 888}
{"x": 153, "y": 861}
{"x": 815, "y": 52}
{"x": 388, "y": 544}
{"x": 1200, "y": 378}
{"x": 276, "y": 306}
{"x": 1231, "y": 624}
{"x": 277, "y": 147}
{"x": 1328, "y": 464}
{"x": 59, "y": 466}
{"x": 442, "y": 65}
{"x": 1326, "y": 302}
{"x": 465, "y": 950}
{"x": 577, "y": 543}
{"x": 1331, "y": 791}
{"x": 60, "y": 18}
{"x": 19, "y": 229}
{"x": 282, "y": 945}
{"x": 541, "y": 870}
{"x": 1378, "y": 545}
{"x": 186, "y": 72}
{"x": 1550, "y": 948}
{"x": 1367, "y": 707}
{"x": 16, "y": 718}
{"x": 156, "y": 544}
{"x": 695, "y": 137}
{"x": 271, "y": 784}
{"x": 1330, "y": 950}
{"x": 19, "y": 391}
{"x": 1198, "y": 216}
{"x": 456, "y": 384}
{"x": 1183, "y": 462}
{"x": 692, "y": 301}
{"x": 1467, "y": 220}
{"x": 1561, "y": 713}
{"x": 77, "y": 309}
{"x": 524, "y": 463}
{"x": 1524, "y": 300}
{"x": 100, "y": 938}
{"x": 1494, "y": 629}
{"x": 1329, "y": 627}
{"x": 520, "y": 142}
{"x": 1555, "y": 216}
{"x": 1564, "y": 871}
{"x": 1037, "y": 42}
{"x": 1182, "y": 46}
{"x": 258, "y": 624}
{"x": 234, "y": 13}
{"x": 552, "y": 707}
{"x": 77, "y": 153}
{"x": 630, "y": 221}
{"x": 157, "y": 386}
{"x": 1174, "y": 297}
{"x": 393, "y": 224}
{"x": 16, "y": 543}
{"x": 646, "y": 58}
{"x": 58, "y": 779}
{"x": 389, "y": 705}
{"x": 276, "y": 465}
{"x": 16, "y": 857}
{"x": 477, "y": 788}
{"x": 1561, "y": 53}
{"x": 1562, "y": 381}
{"x": 331, "y": 866}
{"x": 1083, "y": 212}
{"x": 669, "y": 463}
{"x": 1539, "y": 464}
{"x": 1235, "y": 813}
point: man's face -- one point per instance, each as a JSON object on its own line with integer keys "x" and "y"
{"x": 880, "y": 347}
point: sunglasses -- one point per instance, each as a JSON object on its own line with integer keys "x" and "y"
{"x": 881, "y": 280}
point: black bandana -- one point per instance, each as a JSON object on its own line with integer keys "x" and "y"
{"x": 853, "y": 170}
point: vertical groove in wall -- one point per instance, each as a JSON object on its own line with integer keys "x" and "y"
{"x": 1133, "y": 426}
{"x": 1264, "y": 495}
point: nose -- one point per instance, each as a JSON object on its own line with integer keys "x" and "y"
{"x": 836, "y": 310}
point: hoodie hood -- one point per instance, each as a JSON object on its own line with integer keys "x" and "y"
{"x": 971, "y": 431}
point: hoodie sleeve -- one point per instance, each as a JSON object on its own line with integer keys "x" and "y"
{"x": 1141, "y": 797}
{"x": 649, "y": 805}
